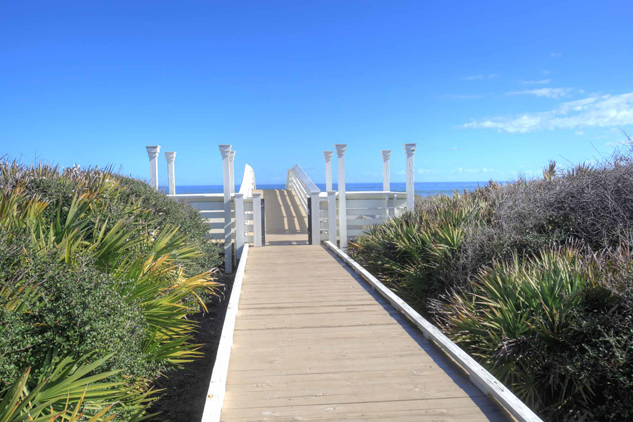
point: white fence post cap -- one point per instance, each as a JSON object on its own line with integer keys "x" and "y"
{"x": 225, "y": 149}
{"x": 386, "y": 153}
{"x": 153, "y": 150}
{"x": 340, "y": 149}
{"x": 171, "y": 156}
{"x": 410, "y": 148}
{"x": 328, "y": 155}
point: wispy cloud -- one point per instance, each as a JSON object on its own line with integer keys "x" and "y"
{"x": 595, "y": 111}
{"x": 555, "y": 93}
{"x": 555, "y": 55}
{"x": 618, "y": 143}
{"x": 541, "y": 82}
{"x": 459, "y": 96}
{"x": 480, "y": 77}
{"x": 463, "y": 170}
{"x": 453, "y": 149}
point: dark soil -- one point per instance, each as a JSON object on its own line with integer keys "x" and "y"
{"x": 184, "y": 391}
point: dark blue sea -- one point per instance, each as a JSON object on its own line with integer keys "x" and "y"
{"x": 422, "y": 188}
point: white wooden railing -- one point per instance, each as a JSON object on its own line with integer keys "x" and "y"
{"x": 245, "y": 214}
{"x": 307, "y": 193}
{"x": 363, "y": 210}
{"x": 248, "y": 182}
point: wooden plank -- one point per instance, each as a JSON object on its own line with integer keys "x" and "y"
{"x": 458, "y": 409}
{"x": 310, "y": 336}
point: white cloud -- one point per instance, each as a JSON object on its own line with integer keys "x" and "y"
{"x": 555, "y": 93}
{"x": 541, "y": 82}
{"x": 453, "y": 149}
{"x": 619, "y": 143}
{"x": 555, "y": 55}
{"x": 580, "y": 132}
{"x": 424, "y": 171}
{"x": 463, "y": 170}
{"x": 481, "y": 76}
{"x": 596, "y": 111}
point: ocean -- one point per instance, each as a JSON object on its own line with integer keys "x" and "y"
{"x": 421, "y": 188}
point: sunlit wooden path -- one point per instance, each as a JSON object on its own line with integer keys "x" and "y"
{"x": 313, "y": 342}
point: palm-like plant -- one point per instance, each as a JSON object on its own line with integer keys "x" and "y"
{"x": 412, "y": 252}
{"x": 69, "y": 390}
{"x": 519, "y": 305}
{"x": 145, "y": 261}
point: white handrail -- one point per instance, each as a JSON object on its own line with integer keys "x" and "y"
{"x": 248, "y": 182}
{"x": 305, "y": 180}
{"x": 305, "y": 189}
{"x": 302, "y": 186}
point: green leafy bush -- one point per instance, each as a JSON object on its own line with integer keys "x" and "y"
{"x": 532, "y": 278}
{"x": 555, "y": 329}
{"x": 94, "y": 264}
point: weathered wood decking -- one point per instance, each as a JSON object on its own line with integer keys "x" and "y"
{"x": 313, "y": 342}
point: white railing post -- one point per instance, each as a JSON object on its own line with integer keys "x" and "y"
{"x": 152, "y": 152}
{"x": 342, "y": 206}
{"x": 328, "y": 169}
{"x": 315, "y": 217}
{"x": 228, "y": 247}
{"x": 239, "y": 224}
{"x": 171, "y": 172}
{"x": 386, "y": 186}
{"x": 232, "y": 170}
{"x": 331, "y": 216}
{"x": 410, "y": 150}
{"x": 395, "y": 204}
{"x": 257, "y": 219}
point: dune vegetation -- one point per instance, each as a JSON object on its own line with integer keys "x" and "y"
{"x": 98, "y": 273}
{"x": 533, "y": 278}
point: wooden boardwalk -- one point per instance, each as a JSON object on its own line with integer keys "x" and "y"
{"x": 313, "y": 342}
{"x": 286, "y": 222}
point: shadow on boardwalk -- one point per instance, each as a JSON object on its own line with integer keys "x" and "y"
{"x": 313, "y": 342}
{"x": 286, "y": 222}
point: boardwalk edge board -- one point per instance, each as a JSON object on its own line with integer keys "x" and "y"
{"x": 217, "y": 385}
{"x": 478, "y": 375}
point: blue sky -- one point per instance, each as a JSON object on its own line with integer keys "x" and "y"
{"x": 486, "y": 89}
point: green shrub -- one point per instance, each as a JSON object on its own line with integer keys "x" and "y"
{"x": 69, "y": 390}
{"x": 92, "y": 263}
{"x": 177, "y": 214}
{"x": 415, "y": 253}
{"x": 556, "y": 327}
{"x": 555, "y": 330}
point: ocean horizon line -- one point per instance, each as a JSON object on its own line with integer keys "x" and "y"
{"x": 421, "y": 188}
